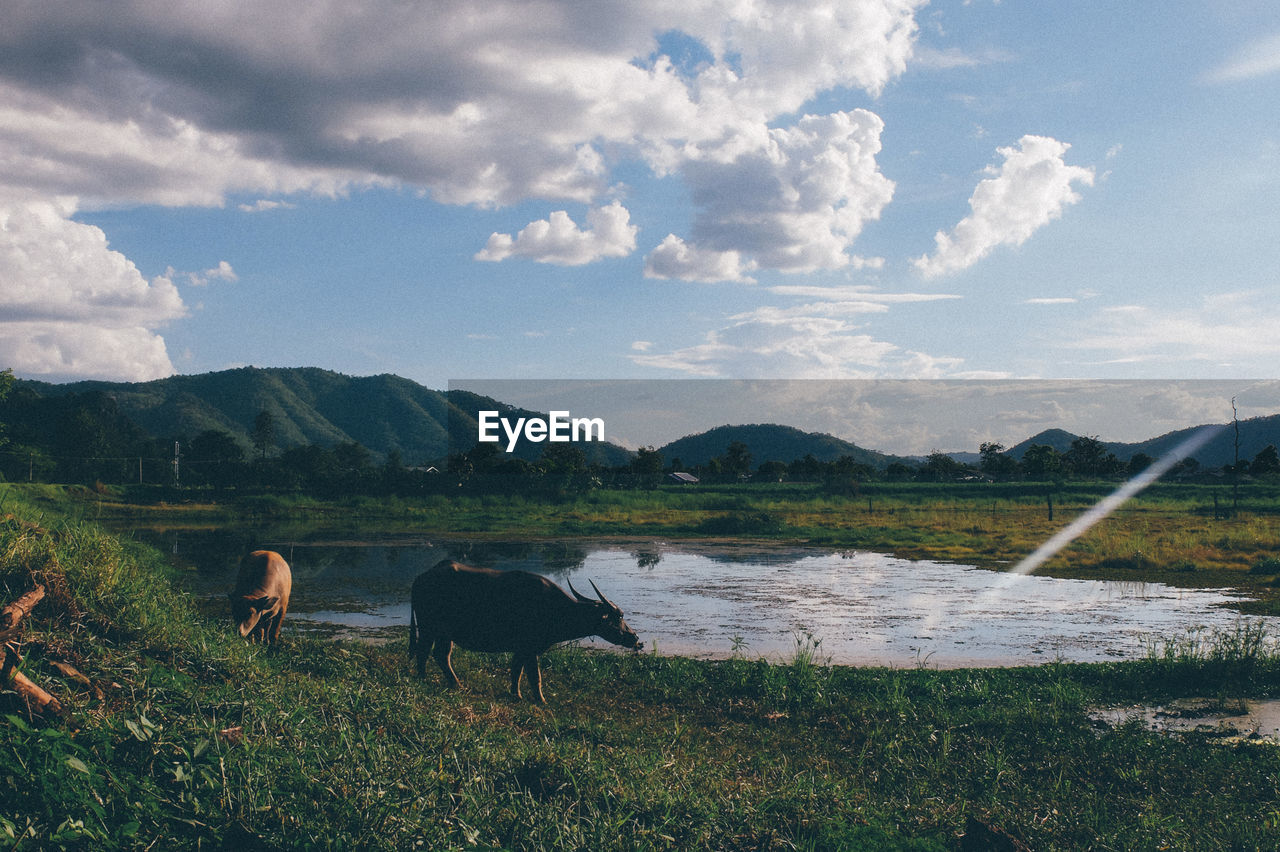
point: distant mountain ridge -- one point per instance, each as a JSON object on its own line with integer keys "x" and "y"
{"x": 386, "y": 413}
{"x": 769, "y": 442}
{"x": 309, "y": 405}
{"x": 1255, "y": 434}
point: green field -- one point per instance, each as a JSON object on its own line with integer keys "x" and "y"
{"x": 186, "y": 737}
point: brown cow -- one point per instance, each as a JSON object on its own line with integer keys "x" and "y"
{"x": 261, "y": 596}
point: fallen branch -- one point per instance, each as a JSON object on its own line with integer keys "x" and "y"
{"x": 16, "y": 611}
{"x": 37, "y": 701}
{"x": 74, "y": 674}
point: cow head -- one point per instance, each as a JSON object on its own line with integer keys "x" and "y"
{"x": 608, "y": 621}
{"x": 245, "y": 610}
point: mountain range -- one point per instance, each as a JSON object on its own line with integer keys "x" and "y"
{"x": 387, "y": 413}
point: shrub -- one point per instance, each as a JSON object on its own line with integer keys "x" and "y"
{"x": 1266, "y": 565}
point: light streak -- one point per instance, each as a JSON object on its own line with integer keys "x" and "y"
{"x": 1113, "y": 501}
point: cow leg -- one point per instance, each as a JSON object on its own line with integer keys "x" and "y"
{"x": 535, "y": 679}
{"x": 444, "y": 647}
{"x": 517, "y": 666}
{"x": 276, "y": 625}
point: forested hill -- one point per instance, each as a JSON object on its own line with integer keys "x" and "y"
{"x": 308, "y": 406}
{"x": 769, "y": 442}
{"x": 1254, "y": 435}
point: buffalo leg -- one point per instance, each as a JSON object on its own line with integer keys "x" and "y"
{"x": 517, "y": 666}
{"x": 444, "y": 647}
{"x": 420, "y": 654}
{"x": 535, "y": 679}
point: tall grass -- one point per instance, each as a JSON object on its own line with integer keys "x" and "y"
{"x": 1223, "y": 663}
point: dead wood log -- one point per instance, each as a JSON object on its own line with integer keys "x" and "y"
{"x": 16, "y": 611}
{"x": 36, "y": 699}
{"x": 39, "y": 702}
{"x": 74, "y": 674}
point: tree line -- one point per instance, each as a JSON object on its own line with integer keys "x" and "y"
{"x": 84, "y": 438}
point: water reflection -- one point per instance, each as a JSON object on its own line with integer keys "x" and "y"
{"x": 705, "y": 601}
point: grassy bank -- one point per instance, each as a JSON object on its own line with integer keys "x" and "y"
{"x": 185, "y": 737}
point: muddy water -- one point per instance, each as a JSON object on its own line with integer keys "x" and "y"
{"x": 716, "y": 600}
{"x": 1232, "y": 722}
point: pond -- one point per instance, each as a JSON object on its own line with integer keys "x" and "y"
{"x": 715, "y": 600}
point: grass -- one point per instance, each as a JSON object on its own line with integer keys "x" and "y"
{"x": 201, "y": 741}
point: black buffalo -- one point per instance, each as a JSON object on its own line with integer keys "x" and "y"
{"x": 486, "y": 610}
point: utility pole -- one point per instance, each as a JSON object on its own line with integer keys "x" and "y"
{"x": 175, "y": 464}
{"x": 1235, "y": 468}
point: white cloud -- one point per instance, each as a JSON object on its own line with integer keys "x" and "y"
{"x": 860, "y": 294}
{"x": 222, "y": 272}
{"x": 1259, "y": 58}
{"x": 793, "y": 203}
{"x": 560, "y": 241}
{"x": 263, "y": 205}
{"x": 72, "y": 307}
{"x": 787, "y": 52}
{"x": 674, "y": 258}
{"x": 814, "y": 340}
{"x": 1234, "y": 331}
{"x": 798, "y": 347}
{"x": 946, "y": 59}
{"x": 1027, "y": 191}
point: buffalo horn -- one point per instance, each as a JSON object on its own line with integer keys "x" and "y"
{"x": 602, "y": 598}
{"x": 581, "y": 597}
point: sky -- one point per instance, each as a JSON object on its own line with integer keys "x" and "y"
{"x": 615, "y": 189}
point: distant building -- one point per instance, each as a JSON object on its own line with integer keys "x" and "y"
{"x": 682, "y": 478}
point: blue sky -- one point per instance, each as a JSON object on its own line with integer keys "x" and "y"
{"x": 630, "y": 190}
